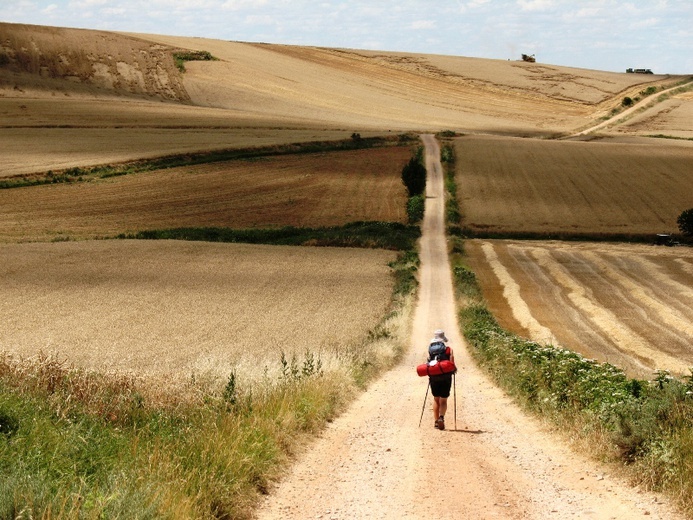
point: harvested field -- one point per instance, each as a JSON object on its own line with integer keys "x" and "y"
{"x": 629, "y": 305}
{"x": 42, "y": 133}
{"x": 307, "y": 190}
{"x": 672, "y": 118}
{"x": 564, "y": 188}
{"x": 180, "y": 307}
{"x": 82, "y": 97}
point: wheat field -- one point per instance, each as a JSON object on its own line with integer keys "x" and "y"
{"x": 79, "y": 97}
{"x": 167, "y": 307}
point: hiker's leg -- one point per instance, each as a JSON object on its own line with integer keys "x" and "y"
{"x": 442, "y": 406}
{"x": 436, "y": 408}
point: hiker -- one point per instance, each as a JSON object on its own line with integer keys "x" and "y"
{"x": 440, "y": 384}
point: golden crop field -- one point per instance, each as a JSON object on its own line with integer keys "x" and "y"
{"x": 601, "y": 187}
{"x": 630, "y": 305}
{"x": 307, "y": 190}
{"x": 167, "y": 307}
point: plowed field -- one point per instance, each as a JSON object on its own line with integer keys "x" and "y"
{"x": 308, "y": 190}
{"x": 631, "y": 187}
{"x": 182, "y": 307}
{"x": 630, "y": 305}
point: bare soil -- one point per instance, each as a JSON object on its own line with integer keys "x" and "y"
{"x": 494, "y": 462}
{"x": 629, "y": 305}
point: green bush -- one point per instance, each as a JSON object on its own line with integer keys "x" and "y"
{"x": 685, "y": 222}
{"x": 627, "y": 101}
{"x": 415, "y": 208}
{"x": 181, "y": 57}
{"x": 379, "y": 235}
{"x": 414, "y": 177}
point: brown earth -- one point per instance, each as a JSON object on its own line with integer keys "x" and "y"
{"x": 597, "y": 188}
{"x": 629, "y": 305}
{"x": 308, "y": 190}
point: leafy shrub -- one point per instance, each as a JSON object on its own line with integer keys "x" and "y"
{"x": 381, "y": 235}
{"x": 627, "y": 101}
{"x": 181, "y": 57}
{"x": 414, "y": 177}
{"x": 415, "y": 208}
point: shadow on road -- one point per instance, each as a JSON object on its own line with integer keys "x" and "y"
{"x": 473, "y": 432}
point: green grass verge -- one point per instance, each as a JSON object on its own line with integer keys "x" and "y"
{"x": 189, "y": 159}
{"x": 378, "y": 235}
{"x": 646, "y": 427}
{"x": 75, "y": 444}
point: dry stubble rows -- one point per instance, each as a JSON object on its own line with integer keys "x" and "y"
{"x": 630, "y": 305}
{"x": 167, "y": 307}
{"x": 308, "y": 190}
{"x": 510, "y": 185}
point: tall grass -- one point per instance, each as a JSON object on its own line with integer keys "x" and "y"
{"x": 83, "y": 444}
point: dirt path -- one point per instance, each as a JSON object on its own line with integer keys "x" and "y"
{"x": 375, "y": 462}
{"x": 626, "y": 113}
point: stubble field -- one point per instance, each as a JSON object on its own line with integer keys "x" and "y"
{"x": 629, "y": 305}
{"x": 600, "y": 188}
{"x": 183, "y": 308}
{"x": 305, "y": 190}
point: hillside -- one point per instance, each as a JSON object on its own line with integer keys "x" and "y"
{"x": 72, "y": 97}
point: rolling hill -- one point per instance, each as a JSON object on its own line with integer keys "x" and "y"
{"x": 72, "y": 97}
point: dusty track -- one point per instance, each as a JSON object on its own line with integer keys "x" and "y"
{"x": 375, "y": 462}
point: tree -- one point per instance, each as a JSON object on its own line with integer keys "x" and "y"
{"x": 685, "y": 222}
{"x": 414, "y": 177}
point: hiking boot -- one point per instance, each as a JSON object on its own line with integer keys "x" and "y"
{"x": 440, "y": 423}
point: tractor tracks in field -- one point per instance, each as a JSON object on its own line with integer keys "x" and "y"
{"x": 642, "y": 105}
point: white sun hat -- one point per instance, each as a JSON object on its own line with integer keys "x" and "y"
{"x": 440, "y": 335}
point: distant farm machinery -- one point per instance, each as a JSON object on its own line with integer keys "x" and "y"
{"x": 529, "y": 58}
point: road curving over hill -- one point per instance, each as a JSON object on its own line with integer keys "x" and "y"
{"x": 495, "y": 462}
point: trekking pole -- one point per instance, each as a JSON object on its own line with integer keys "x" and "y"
{"x": 424, "y": 405}
{"x": 454, "y": 394}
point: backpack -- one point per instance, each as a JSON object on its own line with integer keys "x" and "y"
{"x": 438, "y": 351}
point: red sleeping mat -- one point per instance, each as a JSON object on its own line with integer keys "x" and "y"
{"x": 436, "y": 368}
